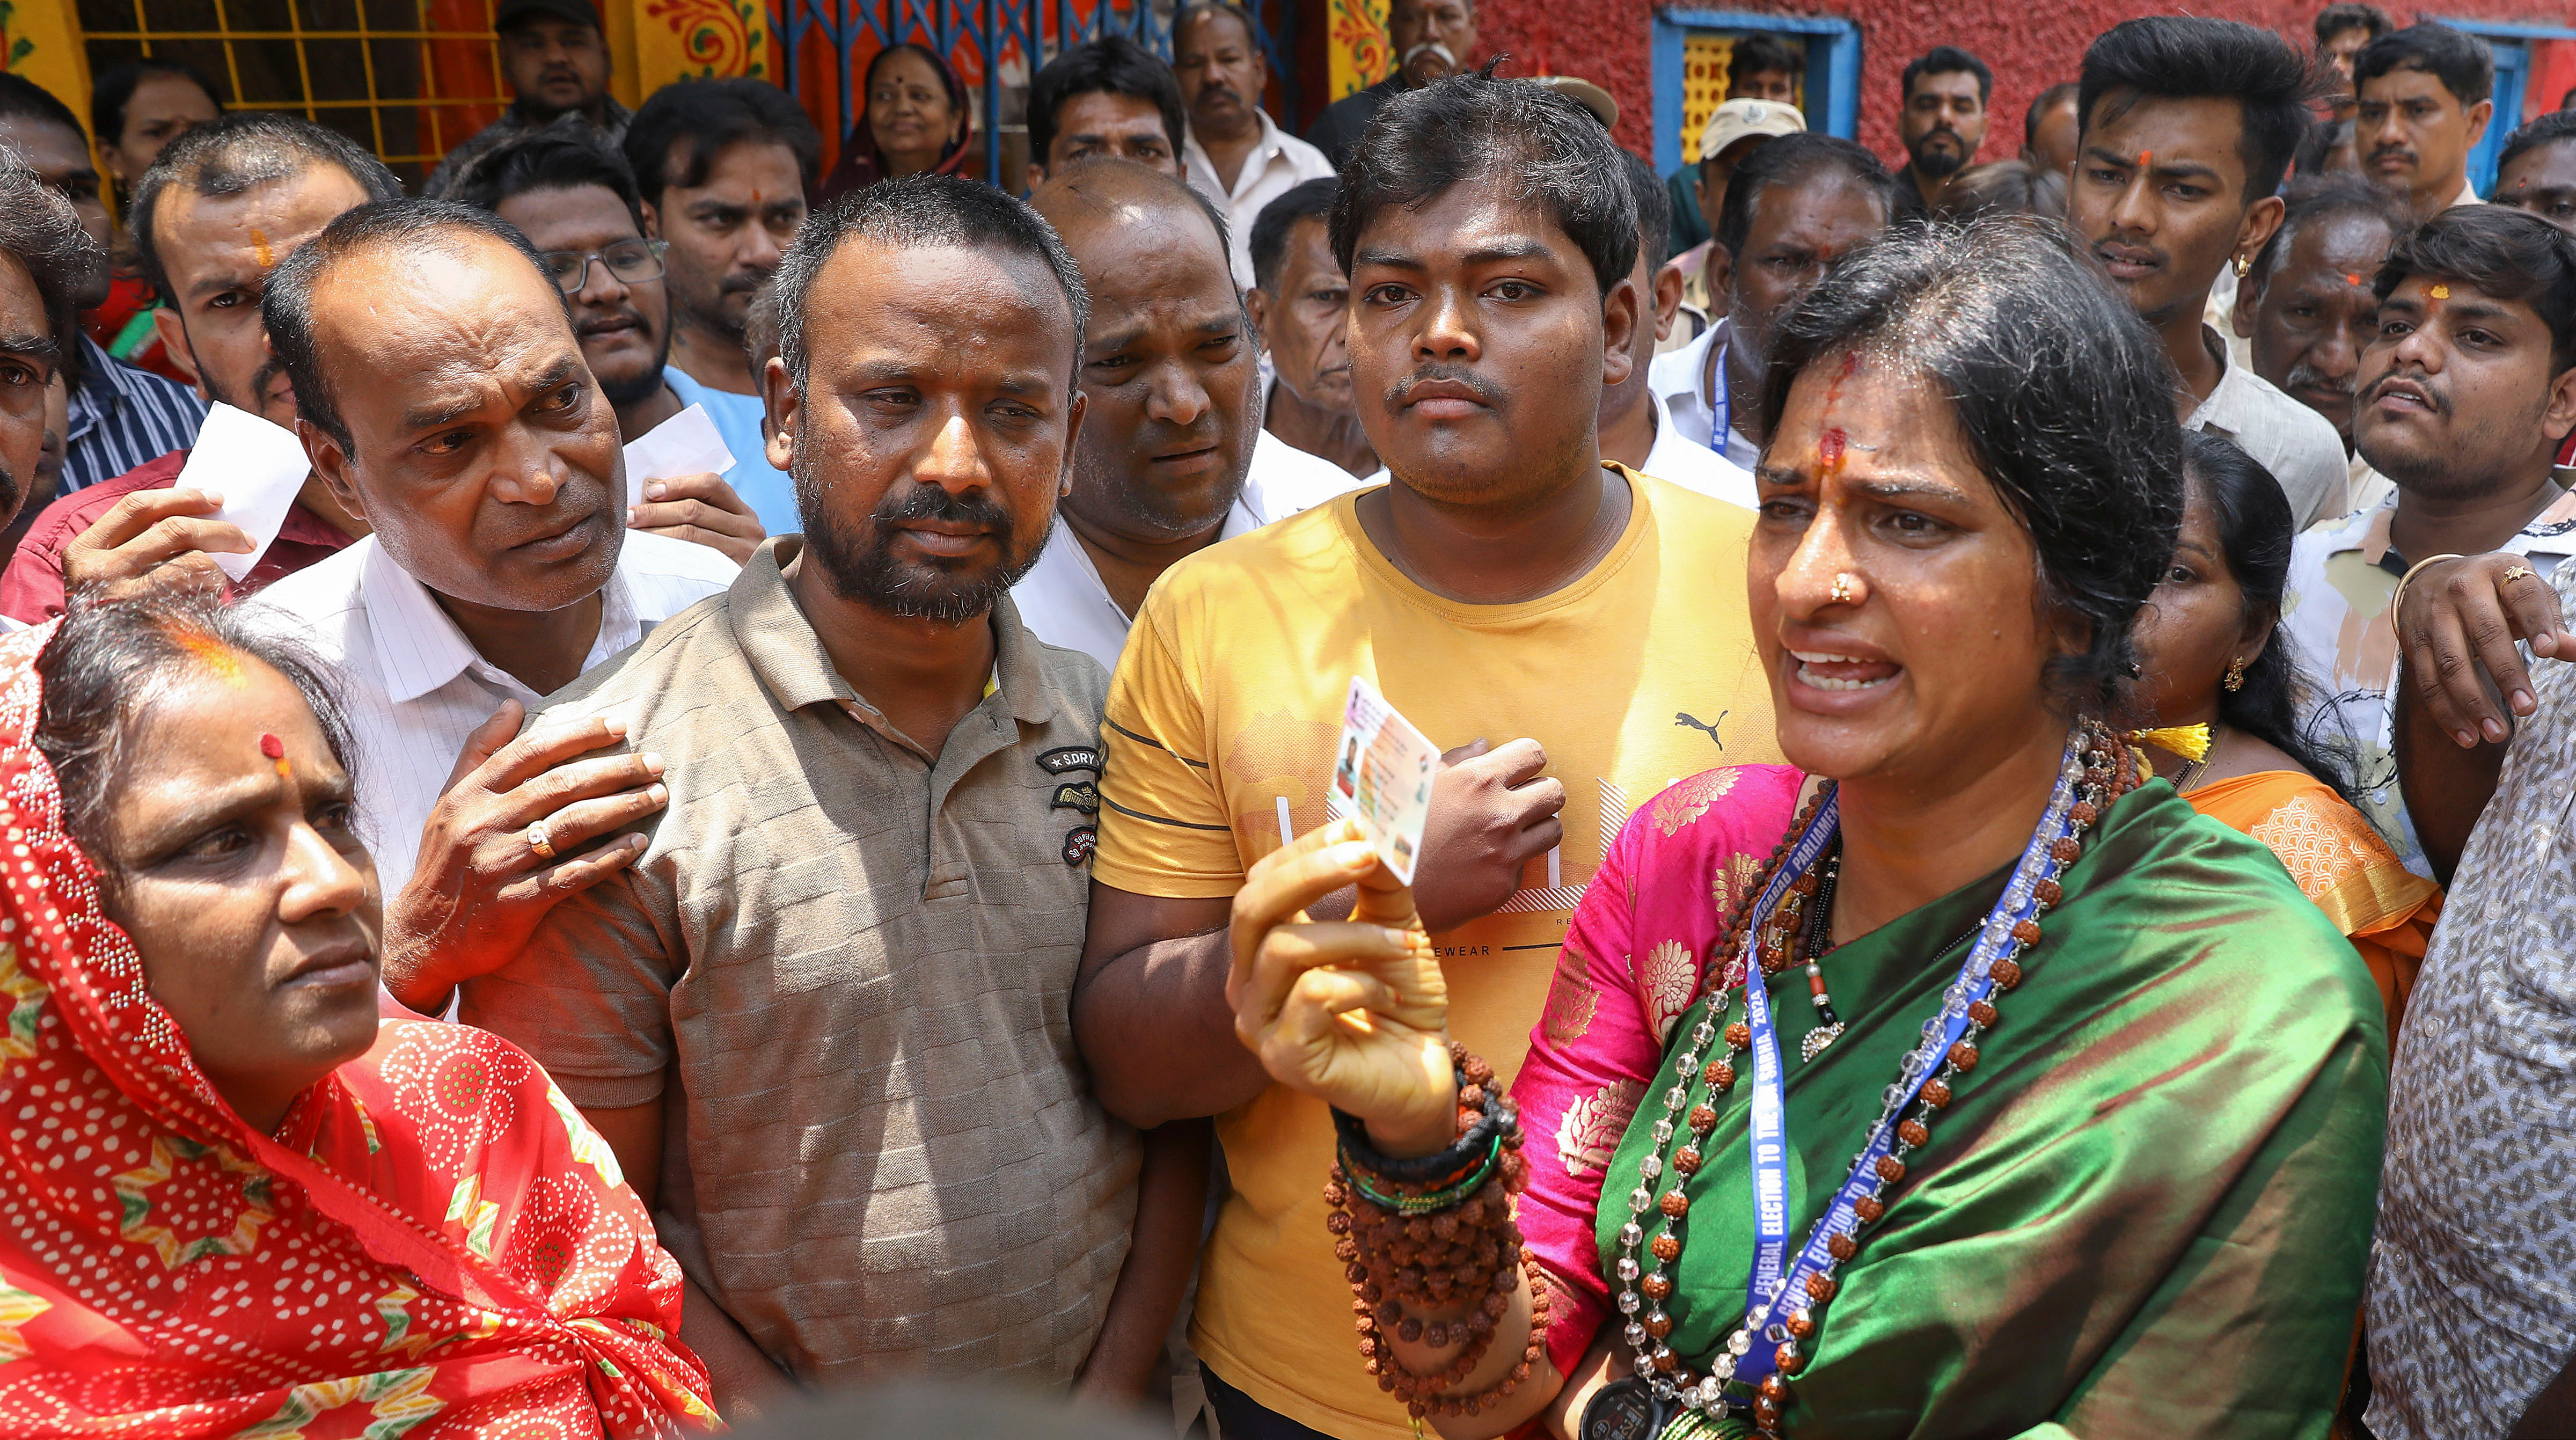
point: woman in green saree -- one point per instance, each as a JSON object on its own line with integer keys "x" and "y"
{"x": 2054, "y": 1109}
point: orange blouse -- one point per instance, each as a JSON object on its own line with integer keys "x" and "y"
{"x": 2386, "y": 910}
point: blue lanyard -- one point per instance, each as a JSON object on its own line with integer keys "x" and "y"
{"x": 1770, "y": 1122}
{"x": 1771, "y": 1297}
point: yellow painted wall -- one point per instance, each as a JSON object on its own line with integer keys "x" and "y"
{"x": 40, "y": 39}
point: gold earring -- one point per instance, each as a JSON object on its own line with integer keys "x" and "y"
{"x": 1844, "y": 589}
{"x": 2243, "y": 264}
{"x": 2235, "y": 675}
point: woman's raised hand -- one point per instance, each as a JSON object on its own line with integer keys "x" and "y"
{"x": 1354, "y": 1012}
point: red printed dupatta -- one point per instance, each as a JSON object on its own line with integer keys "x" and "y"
{"x": 433, "y": 1245}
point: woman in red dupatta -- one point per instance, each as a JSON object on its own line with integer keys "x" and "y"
{"x": 427, "y": 1242}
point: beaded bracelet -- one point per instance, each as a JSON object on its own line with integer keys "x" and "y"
{"x": 1429, "y": 1202}
{"x": 1475, "y": 1142}
{"x": 1452, "y": 1245}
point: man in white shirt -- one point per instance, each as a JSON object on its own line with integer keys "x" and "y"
{"x": 1791, "y": 207}
{"x": 2188, "y": 126}
{"x": 1170, "y": 457}
{"x": 442, "y": 395}
{"x": 1236, "y": 155}
{"x": 1301, "y": 303}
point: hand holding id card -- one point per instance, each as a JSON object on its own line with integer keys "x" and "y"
{"x": 1383, "y": 777}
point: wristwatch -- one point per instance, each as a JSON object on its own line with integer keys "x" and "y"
{"x": 1626, "y": 1410}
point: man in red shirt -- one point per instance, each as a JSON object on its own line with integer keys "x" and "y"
{"x": 215, "y": 214}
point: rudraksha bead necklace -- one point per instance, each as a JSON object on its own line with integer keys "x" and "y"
{"x": 2106, "y": 771}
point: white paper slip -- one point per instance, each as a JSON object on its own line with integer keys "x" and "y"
{"x": 258, "y": 468}
{"x": 1384, "y": 776}
{"x": 685, "y": 444}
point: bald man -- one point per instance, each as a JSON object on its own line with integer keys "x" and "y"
{"x": 1171, "y": 457}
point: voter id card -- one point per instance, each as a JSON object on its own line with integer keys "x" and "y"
{"x": 1383, "y": 776}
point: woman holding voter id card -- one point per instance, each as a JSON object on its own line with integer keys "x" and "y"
{"x": 1960, "y": 1081}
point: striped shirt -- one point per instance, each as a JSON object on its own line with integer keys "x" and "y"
{"x": 122, "y": 417}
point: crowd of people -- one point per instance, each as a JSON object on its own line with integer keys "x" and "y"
{"x": 653, "y": 781}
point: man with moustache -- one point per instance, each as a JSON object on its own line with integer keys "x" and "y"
{"x": 554, "y": 53}
{"x": 1942, "y": 121}
{"x": 1800, "y": 201}
{"x": 1430, "y": 39}
{"x": 1301, "y": 305}
{"x": 1172, "y": 458}
{"x": 722, "y": 167}
{"x": 440, "y": 393}
{"x": 2426, "y": 96}
{"x": 577, "y": 204}
{"x": 824, "y": 1022}
{"x": 1577, "y": 631}
{"x": 44, "y": 256}
{"x": 216, "y": 213}
{"x": 2463, "y": 398}
{"x": 2189, "y": 125}
{"x": 1235, "y": 154}
{"x": 2308, "y": 305}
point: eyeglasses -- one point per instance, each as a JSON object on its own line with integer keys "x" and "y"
{"x": 633, "y": 261}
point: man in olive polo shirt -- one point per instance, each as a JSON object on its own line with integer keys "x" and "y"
{"x": 824, "y": 1020}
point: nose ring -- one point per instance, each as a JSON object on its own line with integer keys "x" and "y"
{"x": 1845, "y": 588}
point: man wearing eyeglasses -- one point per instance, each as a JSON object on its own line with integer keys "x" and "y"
{"x": 577, "y": 203}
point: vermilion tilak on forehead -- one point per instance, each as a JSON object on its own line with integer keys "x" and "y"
{"x": 275, "y": 749}
{"x": 259, "y": 247}
{"x": 1831, "y": 444}
{"x": 217, "y": 657}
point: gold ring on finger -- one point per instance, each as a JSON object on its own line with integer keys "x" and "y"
{"x": 540, "y": 841}
{"x": 2516, "y": 572}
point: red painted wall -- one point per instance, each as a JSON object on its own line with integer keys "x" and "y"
{"x": 2030, "y": 45}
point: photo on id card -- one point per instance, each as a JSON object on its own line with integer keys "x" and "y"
{"x": 1384, "y": 777}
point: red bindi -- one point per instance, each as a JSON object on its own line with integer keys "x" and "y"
{"x": 2352, "y": 279}
{"x": 1829, "y": 449}
{"x": 272, "y": 747}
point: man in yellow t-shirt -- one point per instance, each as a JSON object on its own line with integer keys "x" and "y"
{"x": 1507, "y": 587}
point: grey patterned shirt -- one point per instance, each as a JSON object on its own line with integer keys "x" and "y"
{"x": 845, "y": 966}
{"x": 2472, "y": 1305}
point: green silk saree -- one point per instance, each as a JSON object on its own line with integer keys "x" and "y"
{"x": 2149, "y": 1208}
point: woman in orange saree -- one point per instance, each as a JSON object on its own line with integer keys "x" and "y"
{"x": 2223, "y": 683}
{"x": 231, "y": 1202}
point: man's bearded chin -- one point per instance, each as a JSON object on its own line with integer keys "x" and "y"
{"x": 646, "y": 384}
{"x": 863, "y": 570}
{"x": 1940, "y": 164}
